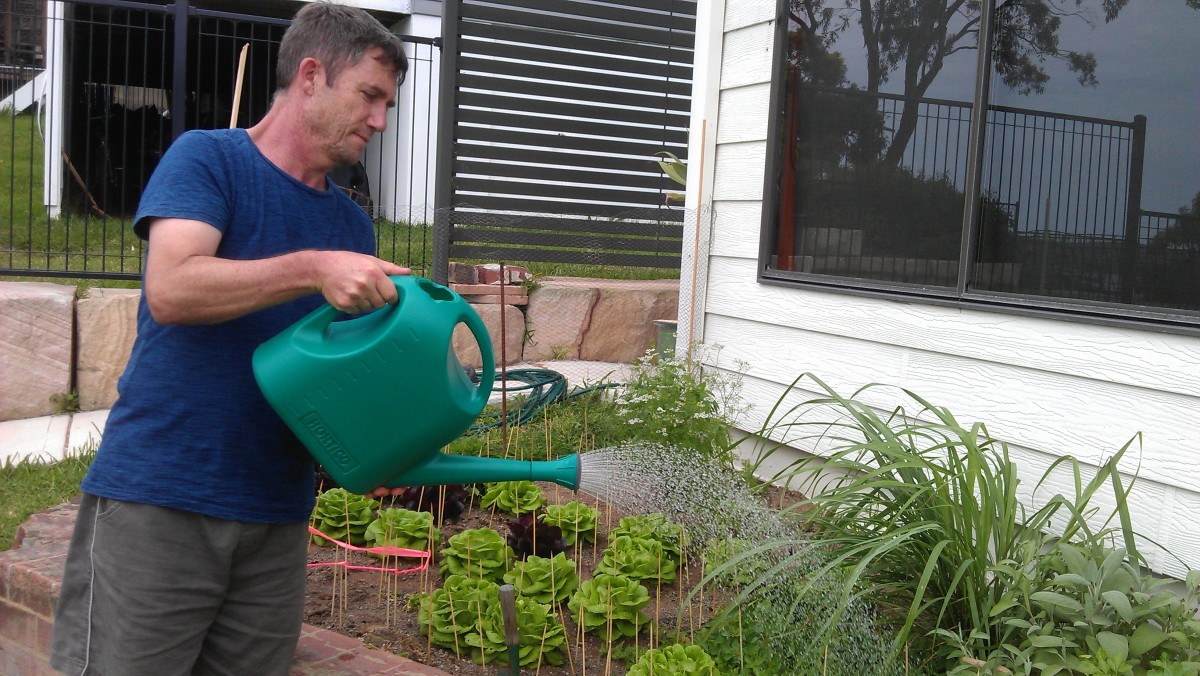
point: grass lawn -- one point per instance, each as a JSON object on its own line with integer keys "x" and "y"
{"x": 30, "y": 487}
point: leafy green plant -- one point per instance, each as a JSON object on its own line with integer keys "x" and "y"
{"x": 733, "y": 562}
{"x": 513, "y": 497}
{"x": 675, "y": 169}
{"x": 576, "y": 520}
{"x": 542, "y": 637}
{"x": 403, "y": 528}
{"x": 1087, "y": 609}
{"x": 656, "y": 527}
{"x": 921, "y": 512}
{"x": 453, "y": 612}
{"x": 343, "y": 516}
{"x": 464, "y": 616}
{"x": 544, "y": 580}
{"x": 479, "y": 553}
{"x": 779, "y": 625}
{"x": 610, "y": 606}
{"x": 65, "y": 402}
{"x": 673, "y": 660}
{"x": 638, "y": 558}
{"x": 679, "y": 403}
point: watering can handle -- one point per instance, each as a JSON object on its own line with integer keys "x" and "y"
{"x": 313, "y": 325}
{"x": 479, "y": 330}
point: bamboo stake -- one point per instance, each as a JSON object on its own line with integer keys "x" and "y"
{"x": 237, "y": 87}
{"x": 696, "y": 244}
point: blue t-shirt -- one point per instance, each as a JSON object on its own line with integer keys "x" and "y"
{"x": 190, "y": 429}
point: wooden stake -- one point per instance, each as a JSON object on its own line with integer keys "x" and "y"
{"x": 237, "y": 87}
{"x": 696, "y": 245}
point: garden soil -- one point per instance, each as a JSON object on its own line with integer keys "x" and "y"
{"x": 373, "y": 607}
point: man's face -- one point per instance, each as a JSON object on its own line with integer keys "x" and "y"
{"x": 344, "y": 117}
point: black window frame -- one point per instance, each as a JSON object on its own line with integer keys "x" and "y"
{"x": 1105, "y": 313}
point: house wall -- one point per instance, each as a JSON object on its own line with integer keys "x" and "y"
{"x": 1047, "y": 387}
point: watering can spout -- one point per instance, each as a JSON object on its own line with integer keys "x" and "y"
{"x": 443, "y": 468}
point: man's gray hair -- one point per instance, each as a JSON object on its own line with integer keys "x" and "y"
{"x": 338, "y": 36}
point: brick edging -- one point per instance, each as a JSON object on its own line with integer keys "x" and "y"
{"x": 30, "y": 577}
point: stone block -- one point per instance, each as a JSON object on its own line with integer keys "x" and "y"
{"x": 597, "y": 319}
{"x": 489, "y": 273}
{"x": 461, "y": 273}
{"x": 466, "y": 347}
{"x": 36, "y": 332}
{"x": 106, "y": 324}
{"x": 557, "y": 318}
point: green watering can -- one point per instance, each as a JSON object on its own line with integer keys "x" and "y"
{"x": 375, "y": 398}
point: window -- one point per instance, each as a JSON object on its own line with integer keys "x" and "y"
{"x": 1078, "y": 191}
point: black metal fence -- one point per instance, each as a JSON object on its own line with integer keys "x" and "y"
{"x": 118, "y": 81}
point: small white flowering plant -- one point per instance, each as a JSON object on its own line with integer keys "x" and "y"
{"x": 682, "y": 404}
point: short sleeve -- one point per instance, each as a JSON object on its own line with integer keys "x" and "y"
{"x": 189, "y": 182}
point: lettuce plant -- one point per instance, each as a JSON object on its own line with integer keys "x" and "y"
{"x": 446, "y": 502}
{"x": 479, "y": 554}
{"x": 610, "y": 606}
{"x": 453, "y": 612}
{"x": 576, "y": 520}
{"x": 638, "y": 558}
{"x": 343, "y": 516}
{"x": 674, "y": 660}
{"x": 514, "y": 497}
{"x": 654, "y": 527}
{"x": 530, "y": 537}
{"x": 544, "y": 580}
{"x": 403, "y": 528}
{"x": 464, "y": 616}
{"x": 542, "y": 638}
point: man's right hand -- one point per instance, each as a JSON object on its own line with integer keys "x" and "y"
{"x": 355, "y": 283}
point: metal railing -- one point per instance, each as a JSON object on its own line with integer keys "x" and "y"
{"x": 83, "y": 132}
{"x": 1061, "y": 213}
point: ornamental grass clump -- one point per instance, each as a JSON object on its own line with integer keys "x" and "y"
{"x": 576, "y": 520}
{"x": 403, "y": 528}
{"x": 549, "y": 581}
{"x": 921, "y": 515}
{"x": 343, "y": 516}
{"x": 479, "y": 553}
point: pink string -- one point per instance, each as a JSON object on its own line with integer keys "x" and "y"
{"x": 382, "y": 551}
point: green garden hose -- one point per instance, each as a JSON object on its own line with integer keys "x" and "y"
{"x": 545, "y": 387}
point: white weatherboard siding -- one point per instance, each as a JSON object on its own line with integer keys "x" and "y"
{"x": 1045, "y": 386}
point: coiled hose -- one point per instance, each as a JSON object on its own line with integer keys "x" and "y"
{"x": 544, "y": 387}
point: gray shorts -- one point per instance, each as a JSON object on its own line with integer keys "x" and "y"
{"x": 149, "y": 590}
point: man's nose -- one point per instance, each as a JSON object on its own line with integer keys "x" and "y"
{"x": 378, "y": 118}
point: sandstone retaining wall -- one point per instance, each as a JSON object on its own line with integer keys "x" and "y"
{"x": 52, "y": 343}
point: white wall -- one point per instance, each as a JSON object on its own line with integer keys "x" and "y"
{"x": 1047, "y": 387}
{"x": 405, "y": 155}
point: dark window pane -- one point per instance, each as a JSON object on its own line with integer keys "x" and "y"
{"x": 874, "y": 141}
{"x": 1091, "y": 164}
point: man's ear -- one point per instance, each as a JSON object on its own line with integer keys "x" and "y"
{"x": 310, "y": 74}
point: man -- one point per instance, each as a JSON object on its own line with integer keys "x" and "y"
{"x": 190, "y": 545}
